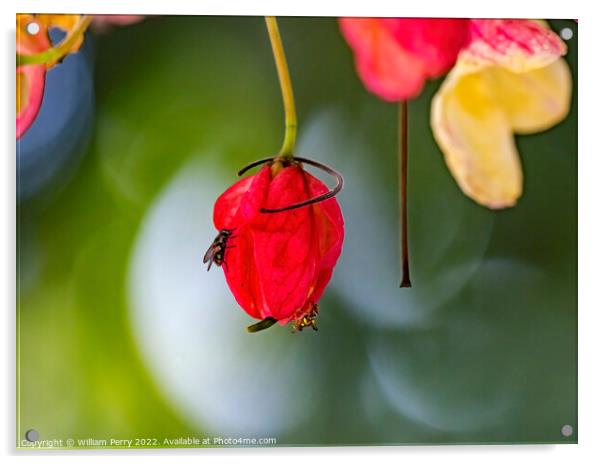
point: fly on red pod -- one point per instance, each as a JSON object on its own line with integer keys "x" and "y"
{"x": 289, "y": 234}
{"x": 288, "y": 227}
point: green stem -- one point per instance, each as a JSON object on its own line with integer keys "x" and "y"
{"x": 288, "y": 99}
{"x": 54, "y": 54}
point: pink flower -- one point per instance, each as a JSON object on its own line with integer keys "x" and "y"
{"x": 506, "y": 77}
{"x": 394, "y": 56}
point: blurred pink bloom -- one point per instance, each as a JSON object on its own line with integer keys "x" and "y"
{"x": 507, "y": 77}
{"x": 394, "y": 56}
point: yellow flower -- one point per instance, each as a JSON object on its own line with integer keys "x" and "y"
{"x": 510, "y": 80}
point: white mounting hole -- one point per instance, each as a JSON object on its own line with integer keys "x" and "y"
{"x": 33, "y": 28}
{"x": 566, "y": 430}
{"x": 566, "y": 33}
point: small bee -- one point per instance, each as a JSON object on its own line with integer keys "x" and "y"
{"x": 308, "y": 320}
{"x": 215, "y": 253}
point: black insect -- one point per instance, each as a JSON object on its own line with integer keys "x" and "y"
{"x": 215, "y": 253}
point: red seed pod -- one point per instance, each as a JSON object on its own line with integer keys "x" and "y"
{"x": 279, "y": 263}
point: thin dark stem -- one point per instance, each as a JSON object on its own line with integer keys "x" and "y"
{"x": 403, "y": 164}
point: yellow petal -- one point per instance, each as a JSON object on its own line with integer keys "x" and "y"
{"x": 65, "y": 22}
{"x": 476, "y": 138}
{"x": 536, "y": 100}
{"x": 510, "y": 80}
{"x": 474, "y": 117}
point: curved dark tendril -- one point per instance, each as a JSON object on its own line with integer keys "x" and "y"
{"x": 311, "y": 201}
{"x": 253, "y": 164}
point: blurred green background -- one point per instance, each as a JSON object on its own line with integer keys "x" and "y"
{"x": 123, "y": 334}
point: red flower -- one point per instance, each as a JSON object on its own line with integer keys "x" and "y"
{"x": 277, "y": 264}
{"x": 394, "y": 56}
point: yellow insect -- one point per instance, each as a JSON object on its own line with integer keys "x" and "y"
{"x": 308, "y": 320}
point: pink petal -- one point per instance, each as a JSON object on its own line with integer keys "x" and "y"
{"x": 516, "y": 44}
{"x": 436, "y": 41}
{"x": 384, "y": 67}
{"x": 30, "y": 90}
